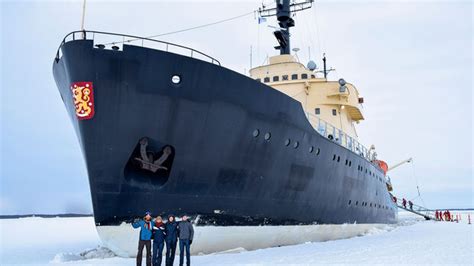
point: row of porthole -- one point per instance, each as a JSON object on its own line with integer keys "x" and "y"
{"x": 348, "y": 162}
{"x": 296, "y": 144}
{"x": 364, "y": 204}
{"x": 360, "y": 168}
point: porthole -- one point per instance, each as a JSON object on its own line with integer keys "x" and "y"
{"x": 334, "y": 157}
{"x": 256, "y": 132}
{"x": 311, "y": 149}
{"x": 347, "y": 162}
{"x": 176, "y": 79}
{"x": 268, "y": 136}
{"x": 287, "y": 142}
{"x": 349, "y": 202}
{"x": 296, "y": 144}
{"x": 318, "y": 151}
{"x": 370, "y": 204}
{"x": 338, "y": 158}
{"x": 350, "y": 163}
{"x": 357, "y": 202}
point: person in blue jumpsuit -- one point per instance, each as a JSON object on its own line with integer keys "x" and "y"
{"x": 159, "y": 234}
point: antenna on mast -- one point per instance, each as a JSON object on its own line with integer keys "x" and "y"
{"x": 283, "y": 11}
{"x": 82, "y": 20}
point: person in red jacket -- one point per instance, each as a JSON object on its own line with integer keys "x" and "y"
{"x": 437, "y": 215}
{"x": 448, "y": 214}
{"x": 404, "y": 203}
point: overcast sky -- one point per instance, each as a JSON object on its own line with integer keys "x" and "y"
{"x": 412, "y": 61}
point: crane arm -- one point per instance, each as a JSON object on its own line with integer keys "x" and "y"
{"x": 409, "y": 160}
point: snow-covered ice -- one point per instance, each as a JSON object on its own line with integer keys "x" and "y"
{"x": 68, "y": 241}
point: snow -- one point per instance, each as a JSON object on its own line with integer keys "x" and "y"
{"x": 123, "y": 239}
{"x": 69, "y": 241}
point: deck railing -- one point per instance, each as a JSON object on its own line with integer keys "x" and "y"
{"x": 338, "y": 136}
{"x": 114, "y": 40}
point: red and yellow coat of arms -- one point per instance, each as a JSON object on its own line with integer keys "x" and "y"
{"x": 83, "y": 95}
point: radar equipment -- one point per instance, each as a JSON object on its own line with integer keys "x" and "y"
{"x": 283, "y": 11}
{"x": 311, "y": 65}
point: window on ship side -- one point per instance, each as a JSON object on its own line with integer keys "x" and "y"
{"x": 317, "y": 111}
{"x": 294, "y": 76}
{"x": 276, "y": 78}
{"x": 304, "y": 76}
{"x": 334, "y": 112}
{"x": 259, "y": 80}
{"x": 267, "y": 79}
{"x": 284, "y": 77}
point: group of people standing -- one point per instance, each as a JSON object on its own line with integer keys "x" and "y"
{"x": 164, "y": 233}
{"x": 443, "y": 216}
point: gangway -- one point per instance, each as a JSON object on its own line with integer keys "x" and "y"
{"x": 416, "y": 209}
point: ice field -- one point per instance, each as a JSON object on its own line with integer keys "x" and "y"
{"x": 61, "y": 241}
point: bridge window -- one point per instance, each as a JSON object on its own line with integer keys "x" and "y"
{"x": 334, "y": 112}
{"x": 313, "y": 76}
{"x": 317, "y": 111}
{"x": 304, "y": 76}
{"x": 276, "y": 78}
{"x": 284, "y": 77}
{"x": 267, "y": 79}
{"x": 294, "y": 76}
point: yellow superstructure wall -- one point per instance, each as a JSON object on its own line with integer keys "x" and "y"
{"x": 313, "y": 92}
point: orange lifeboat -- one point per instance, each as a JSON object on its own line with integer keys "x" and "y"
{"x": 383, "y": 165}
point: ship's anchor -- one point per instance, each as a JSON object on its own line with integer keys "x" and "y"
{"x": 147, "y": 161}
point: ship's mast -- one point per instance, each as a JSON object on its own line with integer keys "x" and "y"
{"x": 283, "y": 11}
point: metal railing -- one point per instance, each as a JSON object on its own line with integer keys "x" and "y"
{"x": 120, "y": 39}
{"x": 416, "y": 209}
{"x": 338, "y": 136}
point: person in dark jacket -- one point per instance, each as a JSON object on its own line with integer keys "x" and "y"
{"x": 159, "y": 235}
{"x": 145, "y": 238}
{"x": 171, "y": 239}
{"x": 185, "y": 234}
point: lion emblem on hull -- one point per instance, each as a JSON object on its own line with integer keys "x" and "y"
{"x": 83, "y": 96}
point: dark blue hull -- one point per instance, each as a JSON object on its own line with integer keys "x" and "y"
{"x": 217, "y": 169}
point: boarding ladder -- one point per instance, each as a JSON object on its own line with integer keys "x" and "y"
{"x": 417, "y": 209}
